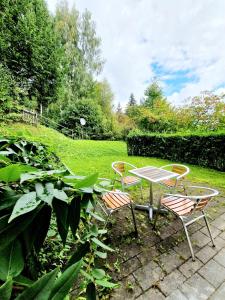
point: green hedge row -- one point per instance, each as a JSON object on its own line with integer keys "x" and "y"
{"x": 199, "y": 149}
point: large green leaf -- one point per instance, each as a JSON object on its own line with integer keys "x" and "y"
{"x": 34, "y": 234}
{"x": 25, "y": 204}
{"x": 91, "y": 291}
{"x": 61, "y": 211}
{"x": 81, "y": 251}
{"x": 5, "y": 160}
{"x": 6, "y": 290}
{"x": 105, "y": 283}
{"x": 74, "y": 214}
{"x": 99, "y": 243}
{"x": 22, "y": 280}
{"x": 87, "y": 181}
{"x": 9, "y": 232}
{"x": 98, "y": 273}
{"x": 11, "y": 260}
{"x": 13, "y": 172}
{"x": 40, "y": 289}
{"x": 61, "y": 195}
{"x": 65, "y": 281}
{"x": 8, "y": 198}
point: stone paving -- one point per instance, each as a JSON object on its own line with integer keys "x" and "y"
{"x": 156, "y": 273}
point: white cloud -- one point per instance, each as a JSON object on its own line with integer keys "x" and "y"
{"x": 179, "y": 35}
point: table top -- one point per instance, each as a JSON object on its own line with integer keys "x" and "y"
{"x": 153, "y": 174}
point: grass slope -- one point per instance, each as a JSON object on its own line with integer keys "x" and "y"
{"x": 86, "y": 157}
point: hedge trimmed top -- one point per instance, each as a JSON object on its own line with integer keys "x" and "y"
{"x": 203, "y": 149}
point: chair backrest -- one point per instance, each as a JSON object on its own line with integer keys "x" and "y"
{"x": 200, "y": 200}
{"x": 120, "y": 167}
{"x": 179, "y": 169}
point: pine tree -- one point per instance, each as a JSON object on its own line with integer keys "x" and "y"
{"x": 132, "y": 100}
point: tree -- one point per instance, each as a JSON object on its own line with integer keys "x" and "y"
{"x": 29, "y": 48}
{"x": 132, "y": 100}
{"x": 153, "y": 93}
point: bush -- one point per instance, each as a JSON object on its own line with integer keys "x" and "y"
{"x": 207, "y": 150}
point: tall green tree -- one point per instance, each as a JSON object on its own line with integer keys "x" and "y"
{"x": 132, "y": 101}
{"x": 28, "y": 47}
{"x": 153, "y": 93}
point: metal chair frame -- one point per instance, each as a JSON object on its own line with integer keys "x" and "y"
{"x": 178, "y": 178}
{"x": 122, "y": 177}
{"x": 199, "y": 203}
{"x": 109, "y": 211}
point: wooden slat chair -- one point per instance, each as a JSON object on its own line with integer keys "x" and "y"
{"x": 121, "y": 168}
{"x": 111, "y": 201}
{"x": 190, "y": 209}
{"x": 182, "y": 170}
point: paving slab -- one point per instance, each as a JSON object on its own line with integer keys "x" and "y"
{"x": 171, "y": 282}
{"x": 222, "y": 235}
{"x": 219, "y": 242}
{"x": 190, "y": 267}
{"x": 170, "y": 261}
{"x": 206, "y": 253}
{"x": 219, "y": 293}
{"x": 213, "y": 273}
{"x": 215, "y": 231}
{"x": 176, "y": 295}
{"x": 196, "y": 288}
{"x": 148, "y": 275}
{"x": 220, "y": 257}
{"x": 129, "y": 267}
{"x": 200, "y": 239}
{"x": 151, "y": 294}
{"x": 129, "y": 289}
{"x": 219, "y": 223}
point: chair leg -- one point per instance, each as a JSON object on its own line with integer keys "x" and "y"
{"x": 141, "y": 191}
{"x": 209, "y": 230}
{"x": 189, "y": 241}
{"x": 157, "y": 214}
{"x": 134, "y": 220}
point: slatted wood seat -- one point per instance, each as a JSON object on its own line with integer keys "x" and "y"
{"x": 115, "y": 200}
{"x": 182, "y": 170}
{"x": 121, "y": 169}
{"x": 187, "y": 208}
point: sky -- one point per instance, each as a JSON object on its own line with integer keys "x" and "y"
{"x": 179, "y": 42}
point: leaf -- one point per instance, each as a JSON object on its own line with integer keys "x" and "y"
{"x": 8, "y": 198}
{"x": 6, "y": 290}
{"x": 9, "y": 232}
{"x": 98, "y": 273}
{"x": 13, "y": 172}
{"x": 34, "y": 235}
{"x": 96, "y": 216}
{"x": 101, "y": 254}
{"x": 106, "y": 283}
{"x": 61, "y": 211}
{"x": 87, "y": 275}
{"x": 4, "y": 159}
{"x": 91, "y": 291}
{"x": 61, "y": 195}
{"x": 99, "y": 243}
{"x": 22, "y": 280}
{"x": 78, "y": 254}
{"x": 11, "y": 260}
{"x": 74, "y": 214}
{"x": 65, "y": 282}
{"x": 87, "y": 181}
{"x": 40, "y": 289}
{"x": 25, "y": 204}
{"x": 39, "y": 189}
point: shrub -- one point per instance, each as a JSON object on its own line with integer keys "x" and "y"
{"x": 207, "y": 150}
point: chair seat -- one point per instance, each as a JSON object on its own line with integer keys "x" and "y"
{"x": 116, "y": 200}
{"x": 169, "y": 182}
{"x": 129, "y": 180}
{"x": 180, "y": 206}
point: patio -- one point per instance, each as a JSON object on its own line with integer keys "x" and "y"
{"x": 158, "y": 264}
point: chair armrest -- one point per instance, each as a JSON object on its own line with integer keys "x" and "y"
{"x": 212, "y": 194}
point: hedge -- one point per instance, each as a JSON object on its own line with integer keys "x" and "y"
{"x": 207, "y": 150}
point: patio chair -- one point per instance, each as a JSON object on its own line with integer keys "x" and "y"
{"x": 121, "y": 169}
{"x": 114, "y": 200}
{"x": 190, "y": 208}
{"x": 182, "y": 170}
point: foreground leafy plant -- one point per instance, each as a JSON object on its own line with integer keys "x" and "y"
{"x": 32, "y": 199}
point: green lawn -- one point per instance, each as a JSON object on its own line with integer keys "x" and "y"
{"x": 86, "y": 157}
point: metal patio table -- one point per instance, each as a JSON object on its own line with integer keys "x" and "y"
{"x": 153, "y": 175}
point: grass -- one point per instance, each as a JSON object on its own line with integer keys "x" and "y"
{"x": 87, "y": 157}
